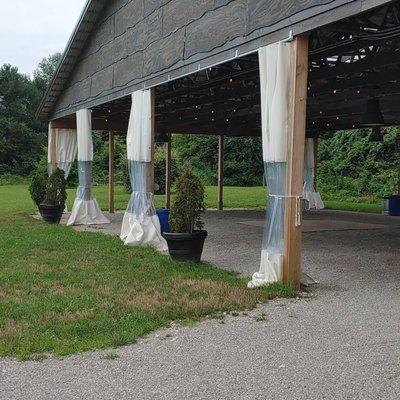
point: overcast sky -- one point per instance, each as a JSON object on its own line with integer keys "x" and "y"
{"x": 33, "y": 29}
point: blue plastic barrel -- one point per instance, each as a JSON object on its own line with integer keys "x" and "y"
{"x": 394, "y": 205}
{"x": 163, "y": 216}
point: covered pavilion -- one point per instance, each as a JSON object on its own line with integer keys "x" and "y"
{"x": 202, "y": 66}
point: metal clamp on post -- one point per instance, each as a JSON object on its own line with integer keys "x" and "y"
{"x": 297, "y": 221}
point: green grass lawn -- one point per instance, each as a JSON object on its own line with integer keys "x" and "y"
{"x": 234, "y": 197}
{"x": 63, "y": 292}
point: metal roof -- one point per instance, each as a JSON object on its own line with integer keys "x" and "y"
{"x": 70, "y": 56}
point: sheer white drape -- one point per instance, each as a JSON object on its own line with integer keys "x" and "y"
{"x": 141, "y": 225}
{"x": 66, "y": 148}
{"x": 275, "y": 80}
{"x": 86, "y": 210}
{"x": 313, "y": 198}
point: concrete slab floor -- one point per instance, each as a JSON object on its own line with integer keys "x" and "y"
{"x": 341, "y": 343}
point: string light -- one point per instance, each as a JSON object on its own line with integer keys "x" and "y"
{"x": 335, "y": 91}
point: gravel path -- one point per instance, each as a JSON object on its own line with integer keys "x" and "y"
{"x": 343, "y": 342}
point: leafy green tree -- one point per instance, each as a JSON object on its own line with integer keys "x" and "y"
{"x": 43, "y": 75}
{"x": 351, "y": 165}
{"x": 21, "y": 134}
{"x": 242, "y": 162}
{"x": 22, "y": 137}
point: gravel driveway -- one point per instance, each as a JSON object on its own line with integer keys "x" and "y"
{"x": 341, "y": 342}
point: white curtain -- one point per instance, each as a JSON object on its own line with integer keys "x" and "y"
{"x": 313, "y": 198}
{"x": 275, "y": 79}
{"x": 141, "y": 225}
{"x": 86, "y": 210}
{"x": 66, "y": 148}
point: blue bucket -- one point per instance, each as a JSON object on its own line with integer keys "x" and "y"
{"x": 163, "y": 216}
{"x": 394, "y": 205}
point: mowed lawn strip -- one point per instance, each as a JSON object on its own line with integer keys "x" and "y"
{"x": 64, "y": 292}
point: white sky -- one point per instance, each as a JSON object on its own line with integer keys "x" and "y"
{"x": 32, "y": 29}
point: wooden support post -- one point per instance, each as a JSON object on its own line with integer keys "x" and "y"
{"x": 398, "y": 177}
{"x": 221, "y": 173}
{"x": 315, "y": 142}
{"x": 168, "y": 171}
{"x": 150, "y": 176}
{"x": 53, "y": 147}
{"x": 111, "y": 173}
{"x": 295, "y": 163}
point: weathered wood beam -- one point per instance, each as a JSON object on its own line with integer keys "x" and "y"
{"x": 168, "y": 172}
{"x": 111, "y": 173}
{"x": 53, "y": 148}
{"x": 221, "y": 173}
{"x": 295, "y": 163}
{"x": 315, "y": 145}
{"x": 97, "y": 124}
{"x": 150, "y": 176}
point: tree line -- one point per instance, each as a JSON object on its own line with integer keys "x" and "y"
{"x": 348, "y": 162}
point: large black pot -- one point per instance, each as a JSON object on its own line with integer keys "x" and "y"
{"x": 185, "y": 246}
{"x": 50, "y": 213}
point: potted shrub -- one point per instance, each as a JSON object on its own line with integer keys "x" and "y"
{"x": 37, "y": 188}
{"x": 53, "y": 204}
{"x": 186, "y": 237}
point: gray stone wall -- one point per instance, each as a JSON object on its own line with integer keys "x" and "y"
{"x": 135, "y": 40}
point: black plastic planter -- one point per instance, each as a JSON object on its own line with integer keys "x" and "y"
{"x": 185, "y": 246}
{"x": 50, "y": 213}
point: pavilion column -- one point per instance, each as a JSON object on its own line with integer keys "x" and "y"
{"x": 168, "y": 171}
{"x": 221, "y": 173}
{"x": 111, "y": 173}
{"x": 295, "y": 162}
{"x": 62, "y": 149}
{"x": 312, "y": 199}
{"x": 315, "y": 143}
{"x": 151, "y": 144}
{"x": 86, "y": 210}
{"x": 283, "y": 83}
{"x": 52, "y": 149}
{"x": 140, "y": 225}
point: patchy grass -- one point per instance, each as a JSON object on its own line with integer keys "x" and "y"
{"x": 373, "y": 207}
{"x": 64, "y": 292}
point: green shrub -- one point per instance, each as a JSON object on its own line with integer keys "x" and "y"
{"x": 188, "y": 204}
{"x": 37, "y": 187}
{"x": 55, "y": 188}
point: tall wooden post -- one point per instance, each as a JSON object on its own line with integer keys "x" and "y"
{"x": 111, "y": 172}
{"x": 150, "y": 176}
{"x": 168, "y": 171}
{"x": 315, "y": 142}
{"x": 398, "y": 177}
{"x": 295, "y": 163}
{"x": 221, "y": 173}
{"x": 53, "y": 147}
